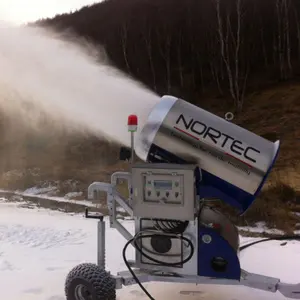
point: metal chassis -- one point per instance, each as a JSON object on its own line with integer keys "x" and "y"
{"x": 124, "y": 278}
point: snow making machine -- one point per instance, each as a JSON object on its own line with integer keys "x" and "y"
{"x": 187, "y": 158}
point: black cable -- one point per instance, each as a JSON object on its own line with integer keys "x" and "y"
{"x": 131, "y": 271}
{"x": 135, "y": 239}
{"x": 190, "y": 244}
{"x": 278, "y": 238}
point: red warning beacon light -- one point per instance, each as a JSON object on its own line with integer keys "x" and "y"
{"x": 132, "y": 123}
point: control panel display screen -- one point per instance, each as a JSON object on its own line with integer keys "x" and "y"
{"x": 163, "y": 184}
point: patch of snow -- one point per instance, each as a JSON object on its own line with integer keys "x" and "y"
{"x": 73, "y": 195}
{"x": 42, "y": 190}
{"x": 261, "y": 227}
{"x": 35, "y": 193}
{"x": 51, "y": 198}
{"x": 120, "y": 209}
{"x": 39, "y": 247}
{"x": 61, "y": 199}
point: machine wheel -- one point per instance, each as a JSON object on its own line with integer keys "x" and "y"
{"x": 89, "y": 282}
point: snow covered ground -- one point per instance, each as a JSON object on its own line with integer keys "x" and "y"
{"x": 38, "y": 248}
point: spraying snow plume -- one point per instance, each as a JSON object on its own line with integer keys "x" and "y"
{"x": 41, "y": 72}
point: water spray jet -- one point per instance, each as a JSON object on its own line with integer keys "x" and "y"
{"x": 67, "y": 81}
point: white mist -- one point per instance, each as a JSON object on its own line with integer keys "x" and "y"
{"x": 67, "y": 81}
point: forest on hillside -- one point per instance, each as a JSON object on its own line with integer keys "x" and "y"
{"x": 192, "y": 48}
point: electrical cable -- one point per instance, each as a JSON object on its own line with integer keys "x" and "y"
{"x": 241, "y": 248}
{"x": 277, "y": 238}
{"x": 132, "y": 272}
{"x": 190, "y": 245}
{"x": 139, "y": 237}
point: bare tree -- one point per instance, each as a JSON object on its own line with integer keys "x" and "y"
{"x": 286, "y": 20}
{"x": 283, "y": 38}
{"x": 224, "y": 48}
{"x": 263, "y": 43}
{"x": 147, "y": 37}
{"x": 164, "y": 47}
{"x": 279, "y": 39}
{"x": 179, "y": 59}
{"x": 193, "y": 47}
{"x": 297, "y": 20}
{"x": 214, "y": 63}
{"x": 124, "y": 38}
{"x": 237, "y": 82}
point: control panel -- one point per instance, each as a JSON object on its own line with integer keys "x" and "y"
{"x": 163, "y": 188}
{"x": 163, "y": 191}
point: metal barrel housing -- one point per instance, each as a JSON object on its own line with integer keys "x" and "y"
{"x": 234, "y": 162}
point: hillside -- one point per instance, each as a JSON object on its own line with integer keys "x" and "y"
{"x": 237, "y": 55}
{"x": 194, "y": 48}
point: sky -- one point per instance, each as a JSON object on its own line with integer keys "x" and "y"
{"x": 23, "y": 11}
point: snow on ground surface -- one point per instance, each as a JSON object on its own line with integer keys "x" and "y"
{"x": 49, "y": 190}
{"x": 39, "y": 247}
{"x": 261, "y": 227}
{"x": 45, "y": 193}
{"x": 40, "y": 190}
{"x": 36, "y": 193}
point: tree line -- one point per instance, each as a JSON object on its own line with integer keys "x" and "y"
{"x": 193, "y": 48}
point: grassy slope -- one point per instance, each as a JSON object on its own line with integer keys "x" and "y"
{"x": 274, "y": 113}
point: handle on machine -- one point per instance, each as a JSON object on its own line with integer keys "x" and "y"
{"x": 89, "y": 215}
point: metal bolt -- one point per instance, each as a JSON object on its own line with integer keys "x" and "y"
{"x": 206, "y": 238}
{"x": 229, "y": 116}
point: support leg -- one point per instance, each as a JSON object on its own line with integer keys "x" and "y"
{"x": 101, "y": 244}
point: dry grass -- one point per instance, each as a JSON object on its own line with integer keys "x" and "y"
{"x": 275, "y": 114}
{"x": 275, "y": 206}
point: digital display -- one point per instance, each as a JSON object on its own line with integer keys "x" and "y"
{"x": 163, "y": 184}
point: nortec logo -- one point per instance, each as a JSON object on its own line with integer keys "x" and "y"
{"x": 200, "y": 130}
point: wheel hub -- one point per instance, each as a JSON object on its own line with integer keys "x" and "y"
{"x": 82, "y": 293}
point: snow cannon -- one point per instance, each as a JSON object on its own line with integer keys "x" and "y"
{"x": 190, "y": 158}
{"x": 234, "y": 162}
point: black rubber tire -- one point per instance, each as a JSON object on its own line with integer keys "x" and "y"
{"x": 99, "y": 283}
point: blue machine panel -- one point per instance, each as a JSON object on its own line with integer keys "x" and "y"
{"x": 216, "y": 258}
